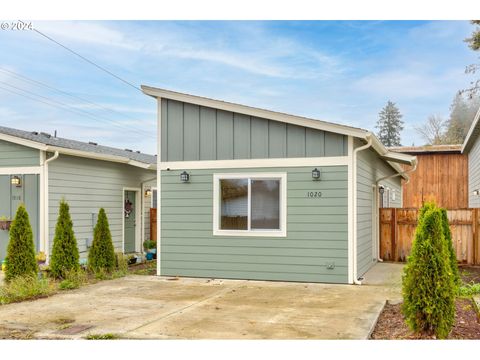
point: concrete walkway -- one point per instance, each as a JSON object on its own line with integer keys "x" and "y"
{"x": 160, "y": 308}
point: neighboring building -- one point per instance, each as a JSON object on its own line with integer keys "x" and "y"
{"x": 39, "y": 170}
{"x": 471, "y": 148}
{"x": 441, "y": 176}
{"x": 248, "y": 193}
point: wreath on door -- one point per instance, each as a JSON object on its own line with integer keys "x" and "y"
{"x": 128, "y": 207}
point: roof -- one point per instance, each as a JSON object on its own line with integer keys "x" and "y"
{"x": 472, "y": 134}
{"x": 428, "y": 149}
{"x": 393, "y": 158}
{"x": 45, "y": 141}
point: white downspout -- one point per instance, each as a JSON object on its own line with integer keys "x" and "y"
{"x": 364, "y": 147}
{"x": 46, "y": 234}
{"x": 414, "y": 167}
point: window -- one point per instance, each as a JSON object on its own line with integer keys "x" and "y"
{"x": 250, "y": 205}
{"x": 154, "y": 198}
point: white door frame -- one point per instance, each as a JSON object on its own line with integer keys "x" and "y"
{"x": 138, "y": 219}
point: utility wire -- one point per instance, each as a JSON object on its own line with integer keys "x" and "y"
{"x": 66, "y": 107}
{"x": 39, "y": 83}
{"x": 87, "y": 60}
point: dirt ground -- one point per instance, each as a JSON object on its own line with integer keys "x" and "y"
{"x": 470, "y": 274}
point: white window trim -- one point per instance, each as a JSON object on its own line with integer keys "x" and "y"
{"x": 255, "y": 233}
{"x": 153, "y": 188}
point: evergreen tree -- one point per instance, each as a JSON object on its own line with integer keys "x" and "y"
{"x": 428, "y": 284}
{"x": 462, "y": 112}
{"x": 450, "y": 248}
{"x": 21, "y": 248}
{"x": 65, "y": 251}
{"x": 389, "y": 125}
{"x": 102, "y": 254}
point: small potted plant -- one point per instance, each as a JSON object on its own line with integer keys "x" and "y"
{"x": 5, "y": 223}
{"x": 150, "y": 247}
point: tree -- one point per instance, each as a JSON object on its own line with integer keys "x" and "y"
{"x": 462, "y": 112}
{"x": 428, "y": 285}
{"x": 65, "y": 255}
{"x": 390, "y": 125}
{"x": 474, "y": 44}
{"x": 433, "y": 130}
{"x": 451, "y": 250}
{"x": 102, "y": 254}
{"x": 21, "y": 248}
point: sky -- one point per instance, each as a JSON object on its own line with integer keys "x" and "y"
{"x": 337, "y": 71}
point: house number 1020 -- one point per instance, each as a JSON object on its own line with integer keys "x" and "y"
{"x": 314, "y": 194}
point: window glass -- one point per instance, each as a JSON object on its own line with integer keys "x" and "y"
{"x": 154, "y": 199}
{"x": 234, "y": 204}
{"x": 265, "y": 204}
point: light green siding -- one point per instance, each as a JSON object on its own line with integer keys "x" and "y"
{"x": 474, "y": 173}
{"x": 87, "y": 185}
{"x": 14, "y": 155}
{"x": 191, "y": 132}
{"x": 11, "y": 197}
{"x": 316, "y": 230}
{"x": 370, "y": 168}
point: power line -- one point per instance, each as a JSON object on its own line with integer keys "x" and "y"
{"x": 39, "y": 83}
{"x": 66, "y": 107}
{"x": 87, "y": 60}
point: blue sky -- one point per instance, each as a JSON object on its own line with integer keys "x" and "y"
{"x": 339, "y": 71}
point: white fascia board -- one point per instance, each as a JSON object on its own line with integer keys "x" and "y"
{"x": 469, "y": 138}
{"x": 23, "y": 170}
{"x": 24, "y": 142}
{"x": 255, "y": 163}
{"x": 256, "y": 112}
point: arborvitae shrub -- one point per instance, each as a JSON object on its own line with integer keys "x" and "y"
{"x": 101, "y": 256}
{"x": 65, "y": 255}
{"x": 450, "y": 249}
{"x": 21, "y": 248}
{"x": 428, "y": 283}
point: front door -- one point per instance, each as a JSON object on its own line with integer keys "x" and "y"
{"x": 129, "y": 223}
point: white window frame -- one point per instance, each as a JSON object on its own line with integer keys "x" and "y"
{"x": 282, "y": 232}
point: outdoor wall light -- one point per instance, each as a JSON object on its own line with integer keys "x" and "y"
{"x": 148, "y": 192}
{"x": 381, "y": 190}
{"x": 15, "y": 180}
{"x": 476, "y": 192}
{"x": 316, "y": 174}
{"x": 184, "y": 177}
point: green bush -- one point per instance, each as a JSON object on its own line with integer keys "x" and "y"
{"x": 102, "y": 254}
{"x": 468, "y": 290}
{"x": 26, "y": 287}
{"x": 451, "y": 251}
{"x": 73, "y": 279}
{"x": 65, "y": 255}
{"x": 428, "y": 283}
{"x": 20, "y": 257}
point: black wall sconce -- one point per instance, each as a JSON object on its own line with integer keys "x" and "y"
{"x": 316, "y": 174}
{"x": 15, "y": 180}
{"x": 476, "y": 192}
{"x": 185, "y": 177}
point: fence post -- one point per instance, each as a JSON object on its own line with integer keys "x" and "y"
{"x": 475, "y": 236}
{"x": 393, "y": 228}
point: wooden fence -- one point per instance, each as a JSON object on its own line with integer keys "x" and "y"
{"x": 397, "y": 230}
{"x": 153, "y": 224}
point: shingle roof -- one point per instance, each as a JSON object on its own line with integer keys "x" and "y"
{"x": 47, "y": 139}
{"x": 451, "y": 148}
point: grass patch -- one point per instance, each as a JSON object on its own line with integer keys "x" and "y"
{"x": 73, "y": 280}
{"x": 107, "y": 336}
{"x": 468, "y": 290}
{"x": 26, "y": 288}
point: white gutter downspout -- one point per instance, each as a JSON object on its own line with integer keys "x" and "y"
{"x": 46, "y": 205}
{"x": 369, "y": 138}
{"x": 377, "y": 211}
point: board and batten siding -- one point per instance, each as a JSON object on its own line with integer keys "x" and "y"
{"x": 317, "y": 230}
{"x": 191, "y": 132}
{"x": 87, "y": 185}
{"x": 474, "y": 174}
{"x": 15, "y": 155}
{"x": 370, "y": 168}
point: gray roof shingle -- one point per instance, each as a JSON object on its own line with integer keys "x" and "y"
{"x": 47, "y": 139}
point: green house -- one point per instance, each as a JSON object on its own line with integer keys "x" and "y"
{"x": 39, "y": 169}
{"x": 247, "y": 193}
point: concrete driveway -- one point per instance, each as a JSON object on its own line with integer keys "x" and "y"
{"x": 148, "y": 307}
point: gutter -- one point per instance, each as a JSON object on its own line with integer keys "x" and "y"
{"x": 369, "y": 138}
{"x": 46, "y": 205}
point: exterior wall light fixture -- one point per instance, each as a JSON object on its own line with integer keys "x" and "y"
{"x": 184, "y": 177}
{"x": 15, "y": 180}
{"x": 476, "y": 192}
{"x": 148, "y": 192}
{"x": 316, "y": 174}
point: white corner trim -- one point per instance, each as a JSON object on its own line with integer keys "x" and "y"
{"x": 159, "y": 186}
{"x": 351, "y": 216}
{"x": 255, "y": 163}
{"x": 43, "y": 201}
{"x": 26, "y": 170}
{"x": 250, "y": 233}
